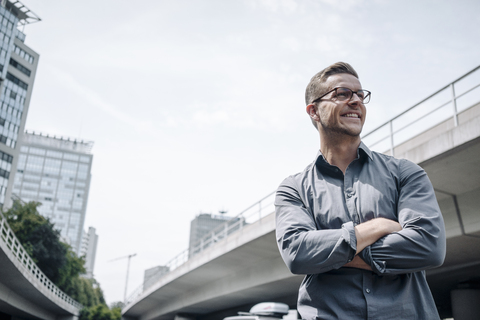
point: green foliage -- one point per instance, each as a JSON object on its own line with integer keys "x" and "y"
{"x": 38, "y": 237}
{"x": 87, "y": 292}
{"x": 117, "y": 305}
{"x": 57, "y": 260}
{"x": 100, "y": 312}
{"x": 69, "y": 273}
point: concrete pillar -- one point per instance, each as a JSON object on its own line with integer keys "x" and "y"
{"x": 466, "y": 304}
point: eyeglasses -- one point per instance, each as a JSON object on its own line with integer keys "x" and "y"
{"x": 344, "y": 94}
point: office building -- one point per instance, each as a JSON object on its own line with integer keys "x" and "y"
{"x": 56, "y": 172}
{"x": 205, "y": 223}
{"x": 89, "y": 250}
{"x": 18, "y": 65}
{"x": 151, "y": 275}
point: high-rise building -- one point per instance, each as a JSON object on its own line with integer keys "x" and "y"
{"x": 205, "y": 223}
{"x": 56, "y": 172}
{"x": 18, "y": 65}
{"x": 89, "y": 250}
{"x": 151, "y": 275}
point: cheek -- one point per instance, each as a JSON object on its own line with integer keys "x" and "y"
{"x": 326, "y": 115}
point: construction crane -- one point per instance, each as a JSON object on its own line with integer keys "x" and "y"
{"x": 128, "y": 269}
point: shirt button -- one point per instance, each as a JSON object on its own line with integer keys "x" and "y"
{"x": 367, "y": 290}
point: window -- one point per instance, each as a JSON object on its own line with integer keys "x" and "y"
{"x": 4, "y": 173}
{"x": 85, "y": 159}
{"x": 70, "y": 156}
{"x": 37, "y": 151}
{"x": 22, "y": 53}
{"x": 17, "y": 81}
{"x": 20, "y": 67}
{"x": 6, "y": 157}
{"x": 54, "y": 154}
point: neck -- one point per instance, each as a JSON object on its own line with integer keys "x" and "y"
{"x": 339, "y": 150}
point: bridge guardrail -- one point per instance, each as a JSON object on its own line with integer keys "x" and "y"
{"x": 443, "y": 104}
{"x": 15, "y": 247}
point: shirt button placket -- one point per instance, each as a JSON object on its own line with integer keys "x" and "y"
{"x": 349, "y": 192}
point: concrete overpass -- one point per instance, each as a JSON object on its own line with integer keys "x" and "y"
{"x": 25, "y": 292}
{"x": 239, "y": 265}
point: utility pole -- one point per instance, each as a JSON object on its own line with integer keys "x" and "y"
{"x": 128, "y": 269}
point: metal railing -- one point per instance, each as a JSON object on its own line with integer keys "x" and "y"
{"x": 443, "y": 104}
{"x": 252, "y": 214}
{"x": 39, "y": 278}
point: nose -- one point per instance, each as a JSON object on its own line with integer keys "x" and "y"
{"x": 355, "y": 99}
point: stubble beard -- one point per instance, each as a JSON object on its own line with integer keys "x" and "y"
{"x": 334, "y": 131}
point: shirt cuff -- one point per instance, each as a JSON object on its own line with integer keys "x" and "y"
{"x": 349, "y": 235}
{"x": 377, "y": 266}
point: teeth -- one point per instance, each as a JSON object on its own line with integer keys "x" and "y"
{"x": 351, "y": 115}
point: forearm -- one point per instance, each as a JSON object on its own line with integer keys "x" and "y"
{"x": 369, "y": 232}
{"x": 317, "y": 251}
{"x": 358, "y": 263}
{"x": 410, "y": 250}
{"x": 421, "y": 243}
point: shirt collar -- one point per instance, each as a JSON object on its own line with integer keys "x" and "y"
{"x": 361, "y": 151}
{"x": 365, "y": 149}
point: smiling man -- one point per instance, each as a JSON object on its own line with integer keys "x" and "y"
{"x": 362, "y": 226}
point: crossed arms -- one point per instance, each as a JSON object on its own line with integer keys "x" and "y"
{"x": 415, "y": 242}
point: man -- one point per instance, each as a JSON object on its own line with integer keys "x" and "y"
{"x": 362, "y": 226}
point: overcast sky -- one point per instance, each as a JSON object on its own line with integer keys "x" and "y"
{"x": 198, "y": 106}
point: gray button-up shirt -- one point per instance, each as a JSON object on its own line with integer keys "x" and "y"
{"x": 316, "y": 212}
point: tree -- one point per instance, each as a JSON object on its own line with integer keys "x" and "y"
{"x": 38, "y": 237}
{"x": 117, "y": 304}
{"x": 100, "y": 312}
{"x": 57, "y": 260}
{"x": 70, "y": 272}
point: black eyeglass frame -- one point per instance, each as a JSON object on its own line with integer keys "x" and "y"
{"x": 369, "y": 94}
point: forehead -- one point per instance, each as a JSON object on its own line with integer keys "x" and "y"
{"x": 345, "y": 80}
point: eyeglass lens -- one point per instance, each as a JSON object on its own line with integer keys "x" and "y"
{"x": 346, "y": 94}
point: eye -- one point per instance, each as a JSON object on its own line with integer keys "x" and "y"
{"x": 343, "y": 93}
{"x": 361, "y": 94}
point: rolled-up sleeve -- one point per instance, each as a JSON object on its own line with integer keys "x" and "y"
{"x": 421, "y": 243}
{"x": 304, "y": 248}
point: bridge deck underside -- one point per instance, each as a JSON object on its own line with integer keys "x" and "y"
{"x": 19, "y": 297}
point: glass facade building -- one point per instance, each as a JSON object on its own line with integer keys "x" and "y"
{"x": 56, "y": 172}
{"x": 18, "y": 65}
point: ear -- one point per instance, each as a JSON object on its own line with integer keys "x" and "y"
{"x": 312, "y": 112}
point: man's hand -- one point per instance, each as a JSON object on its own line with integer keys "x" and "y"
{"x": 369, "y": 232}
{"x": 358, "y": 263}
